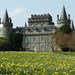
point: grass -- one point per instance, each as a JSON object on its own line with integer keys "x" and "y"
{"x": 37, "y": 63}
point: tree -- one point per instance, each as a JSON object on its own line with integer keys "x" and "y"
{"x": 16, "y": 41}
{"x": 66, "y": 29}
{"x": 62, "y": 39}
{"x": 71, "y": 43}
{"x": 4, "y": 44}
{"x": 53, "y": 44}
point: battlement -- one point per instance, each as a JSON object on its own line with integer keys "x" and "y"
{"x": 41, "y": 17}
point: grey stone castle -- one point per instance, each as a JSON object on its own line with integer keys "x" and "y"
{"x": 38, "y": 34}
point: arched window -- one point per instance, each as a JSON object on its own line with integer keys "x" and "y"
{"x": 42, "y": 48}
{"x": 34, "y": 38}
{"x": 34, "y": 48}
{"x": 42, "y": 38}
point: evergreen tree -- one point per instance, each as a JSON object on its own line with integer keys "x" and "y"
{"x": 66, "y": 29}
{"x": 4, "y": 44}
{"x": 16, "y": 41}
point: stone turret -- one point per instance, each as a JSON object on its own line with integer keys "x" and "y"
{"x": 6, "y": 26}
{"x": 63, "y": 20}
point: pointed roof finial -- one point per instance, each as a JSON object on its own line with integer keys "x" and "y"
{"x": 6, "y": 17}
{"x": 63, "y": 14}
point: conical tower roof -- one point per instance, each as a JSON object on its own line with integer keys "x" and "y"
{"x": 6, "y": 17}
{"x": 63, "y": 14}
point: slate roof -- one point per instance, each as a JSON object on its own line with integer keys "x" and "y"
{"x": 63, "y": 14}
{"x": 6, "y": 17}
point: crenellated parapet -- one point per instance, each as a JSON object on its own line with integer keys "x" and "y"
{"x": 40, "y": 19}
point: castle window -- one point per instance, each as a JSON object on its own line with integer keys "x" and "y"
{"x": 42, "y": 38}
{"x": 34, "y": 31}
{"x": 44, "y": 29}
{"x": 42, "y": 48}
{"x": 26, "y": 40}
{"x": 28, "y": 29}
{"x": 34, "y": 39}
{"x": 34, "y": 48}
{"x": 37, "y": 29}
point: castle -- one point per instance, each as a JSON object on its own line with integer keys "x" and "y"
{"x": 38, "y": 35}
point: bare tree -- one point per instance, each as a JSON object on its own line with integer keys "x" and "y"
{"x": 53, "y": 44}
{"x": 71, "y": 43}
{"x": 62, "y": 39}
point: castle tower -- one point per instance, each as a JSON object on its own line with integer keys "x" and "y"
{"x": 6, "y": 26}
{"x": 63, "y": 19}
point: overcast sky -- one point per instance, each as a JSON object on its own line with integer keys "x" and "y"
{"x": 21, "y": 10}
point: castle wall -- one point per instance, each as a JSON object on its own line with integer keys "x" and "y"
{"x": 39, "y": 42}
{"x": 5, "y": 31}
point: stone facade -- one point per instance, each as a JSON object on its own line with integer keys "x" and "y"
{"x": 38, "y": 35}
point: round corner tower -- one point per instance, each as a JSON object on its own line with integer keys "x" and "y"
{"x": 6, "y": 26}
{"x": 64, "y": 19}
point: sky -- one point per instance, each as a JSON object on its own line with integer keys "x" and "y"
{"x": 21, "y": 10}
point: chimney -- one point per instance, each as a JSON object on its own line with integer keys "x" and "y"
{"x": 69, "y": 16}
{"x": 58, "y": 17}
{"x": 10, "y": 20}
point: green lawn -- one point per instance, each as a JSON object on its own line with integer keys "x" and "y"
{"x": 37, "y": 63}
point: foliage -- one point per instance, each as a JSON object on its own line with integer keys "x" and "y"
{"x": 4, "y": 44}
{"x": 37, "y": 63}
{"x": 66, "y": 29}
{"x": 71, "y": 43}
{"x": 53, "y": 44}
{"x": 63, "y": 39}
{"x": 16, "y": 41}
